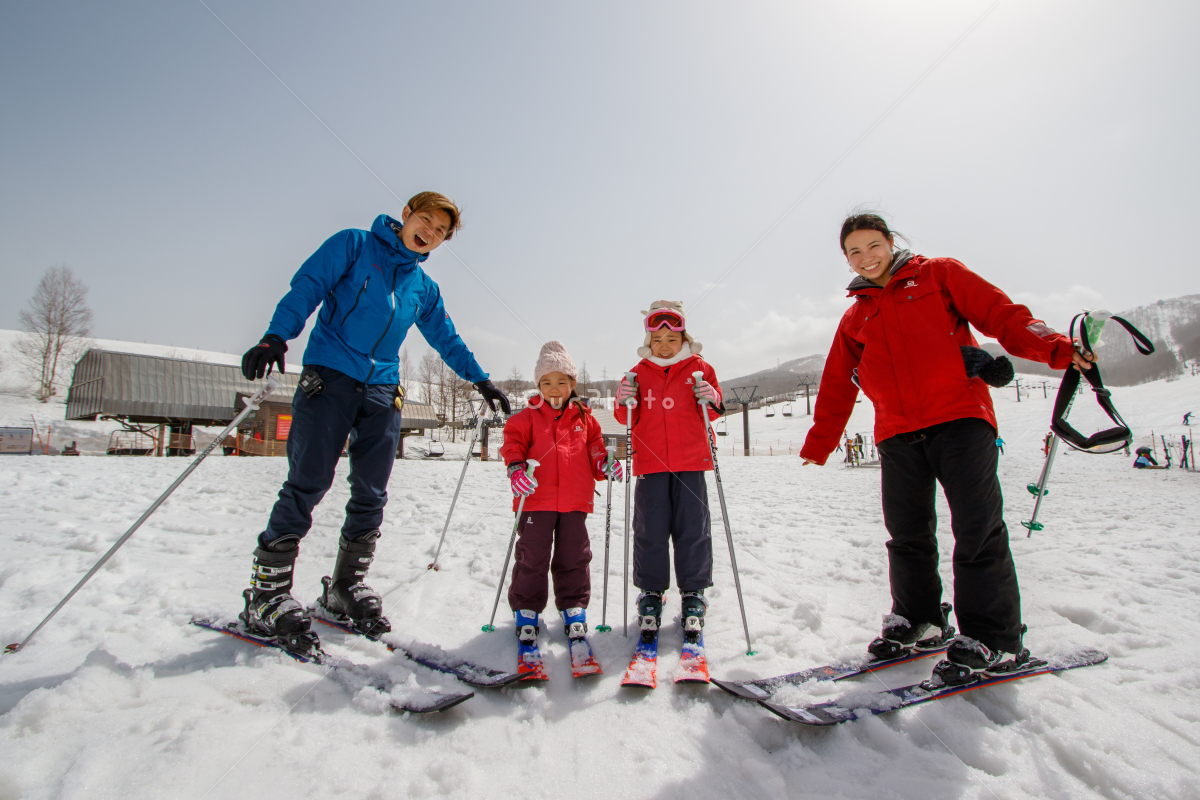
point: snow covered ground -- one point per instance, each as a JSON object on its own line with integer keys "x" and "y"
{"x": 120, "y": 697}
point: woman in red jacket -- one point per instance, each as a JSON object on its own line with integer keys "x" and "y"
{"x": 558, "y": 431}
{"x": 670, "y": 456}
{"x": 906, "y": 344}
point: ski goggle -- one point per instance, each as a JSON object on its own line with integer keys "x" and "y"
{"x": 657, "y": 320}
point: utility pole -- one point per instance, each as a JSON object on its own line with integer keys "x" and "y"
{"x": 745, "y": 395}
{"x": 808, "y": 381}
{"x": 1017, "y": 383}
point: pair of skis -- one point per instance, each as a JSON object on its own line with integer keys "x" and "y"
{"x": 864, "y": 704}
{"x": 531, "y": 667}
{"x": 643, "y": 667}
{"x": 355, "y": 676}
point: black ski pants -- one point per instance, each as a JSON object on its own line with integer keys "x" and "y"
{"x": 962, "y": 456}
{"x": 364, "y": 412}
{"x": 672, "y": 507}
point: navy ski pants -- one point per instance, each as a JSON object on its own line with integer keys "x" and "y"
{"x": 672, "y": 508}
{"x": 962, "y": 457}
{"x": 364, "y": 412}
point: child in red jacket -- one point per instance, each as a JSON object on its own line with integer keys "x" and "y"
{"x": 670, "y": 456}
{"x": 558, "y": 431}
{"x": 906, "y": 344}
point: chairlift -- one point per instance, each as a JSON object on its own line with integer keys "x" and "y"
{"x": 436, "y": 448}
{"x": 722, "y": 428}
{"x": 770, "y": 410}
{"x": 787, "y": 409}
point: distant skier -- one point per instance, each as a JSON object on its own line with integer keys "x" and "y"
{"x": 1187, "y": 418}
{"x": 1145, "y": 460}
{"x": 934, "y": 423}
{"x": 558, "y": 430}
{"x": 1000, "y": 445}
{"x": 371, "y": 290}
{"x": 670, "y": 455}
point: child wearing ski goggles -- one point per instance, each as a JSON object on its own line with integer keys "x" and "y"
{"x": 557, "y": 430}
{"x": 669, "y": 411}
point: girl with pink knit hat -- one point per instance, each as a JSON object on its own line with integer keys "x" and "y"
{"x": 558, "y": 431}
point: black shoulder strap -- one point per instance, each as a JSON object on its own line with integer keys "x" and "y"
{"x": 1106, "y": 441}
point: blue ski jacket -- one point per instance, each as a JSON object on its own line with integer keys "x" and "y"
{"x": 371, "y": 290}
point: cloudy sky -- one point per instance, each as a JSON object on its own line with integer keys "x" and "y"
{"x": 605, "y": 155}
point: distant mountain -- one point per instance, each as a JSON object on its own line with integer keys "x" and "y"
{"x": 781, "y": 379}
{"x": 1172, "y": 325}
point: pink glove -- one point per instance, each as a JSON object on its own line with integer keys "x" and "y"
{"x": 626, "y": 391}
{"x": 707, "y": 393}
{"x": 523, "y": 484}
{"x": 611, "y": 468}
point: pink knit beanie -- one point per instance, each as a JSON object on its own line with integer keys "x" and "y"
{"x": 554, "y": 358}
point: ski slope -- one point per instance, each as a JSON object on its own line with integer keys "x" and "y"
{"x": 120, "y": 698}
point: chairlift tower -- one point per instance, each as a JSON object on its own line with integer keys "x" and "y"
{"x": 745, "y": 396}
{"x": 808, "y": 381}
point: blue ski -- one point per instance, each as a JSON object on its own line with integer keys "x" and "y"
{"x": 351, "y": 676}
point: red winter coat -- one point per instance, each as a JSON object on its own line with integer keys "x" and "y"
{"x": 567, "y": 446}
{"x": 903, "y": 342}
{"x": 668, "y": 431}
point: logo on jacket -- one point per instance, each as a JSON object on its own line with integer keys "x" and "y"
{"x": 910, "y": 283}
{"x": 577, "y": 428}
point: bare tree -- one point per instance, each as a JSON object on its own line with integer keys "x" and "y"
{"x": 57, "y": 322}
{"x": 427, "y": 376}
{"x": 584, "y": 380}
{"x": 514, "y": 383}
{"x": 406, "y": 369}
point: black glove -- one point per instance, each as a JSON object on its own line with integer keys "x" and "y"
{"x": 992, "y": 371}
{"x": 491, "y": 394}
{"x": 269, "y": 351}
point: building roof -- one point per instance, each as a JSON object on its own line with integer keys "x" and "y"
{"x": 157, "y": 389}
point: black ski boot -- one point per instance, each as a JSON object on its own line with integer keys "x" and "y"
{"x": 967, "y": 660}
{"x": 692, "y": 616}
{"x": 346, "y": 596}
{"x": 900, "y": 636}
{"x": 270, "y": 608}
{"x": 650, "y": 606}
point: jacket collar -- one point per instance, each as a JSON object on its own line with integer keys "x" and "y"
{"x": 662, "y": 364}
{"x": 385, "y": 233}
{"x": 899, "y": 261}
{"x": 536, "y": 403}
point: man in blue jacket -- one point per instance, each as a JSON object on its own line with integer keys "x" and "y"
{"x": 371, "y": 290}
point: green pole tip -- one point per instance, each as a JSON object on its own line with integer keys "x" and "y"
{"x": 751, "y": 652}
{"x": 603, "y": 628}
{"x": 488, "y": 628}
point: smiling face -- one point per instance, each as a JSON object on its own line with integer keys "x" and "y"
{"x": 869, "y": 253}
{"x": 665, "y": 343}
{"x": 424, "y": 230}
{"x": 556, "y": 388}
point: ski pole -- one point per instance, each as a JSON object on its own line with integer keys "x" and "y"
{"x": 272, "y": 384}
{"x": 1039, "y": 489}
{"x": 470, "y": 449}
{"x": 712, "y": 445}
{"x": 629, "y": 404}
{"x": 491, "y": 626}
{"x": 604, "y": 627}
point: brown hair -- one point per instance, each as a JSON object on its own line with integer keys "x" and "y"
{"x": 433, "y": 201}
{"x": 864, "y": 222}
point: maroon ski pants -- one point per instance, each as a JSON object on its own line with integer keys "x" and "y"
{"x": 541, "y": 534}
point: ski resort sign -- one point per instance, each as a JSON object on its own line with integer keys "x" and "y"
{"x": 16, "y": 441}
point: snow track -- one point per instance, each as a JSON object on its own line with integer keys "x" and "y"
{"x": 120, "y": 697}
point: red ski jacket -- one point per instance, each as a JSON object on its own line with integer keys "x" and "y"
{"x": 567, "y": 446}
{"x": 668, "y": 431}
{"x": 900, "y": 344}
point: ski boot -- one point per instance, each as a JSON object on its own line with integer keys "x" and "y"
{"x": 968, "y": 660}
{"x": 900, "y": 636}
{"x": 346, "y": 596}
{"x": 575, "y": 623}
{"x": 527, "y": 627}
{"x": 270, "y": 608}
{"x": 649, "y": 606}
{"x": 694, "y": 605}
